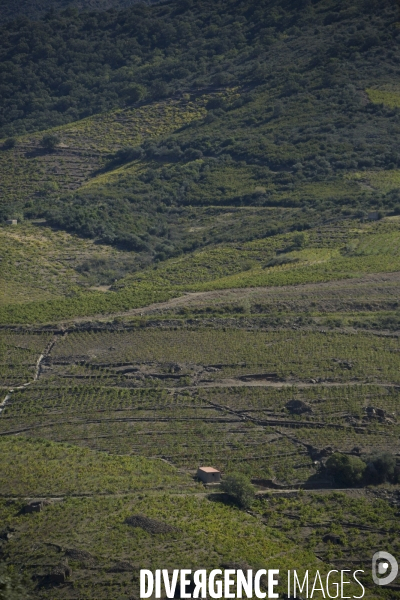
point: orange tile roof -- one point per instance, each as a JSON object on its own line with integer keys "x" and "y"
{"x": 208, "y": 469}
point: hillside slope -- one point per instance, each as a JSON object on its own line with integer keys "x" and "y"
{"x": 37, "y": 9}
{"x": 78, "y": 64}
{"x": 205, "y": 270}
{"x": 214, "y": 106}
{"x": 275, "y": 137}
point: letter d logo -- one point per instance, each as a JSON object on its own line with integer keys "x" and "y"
{"x": 380, "y": 565}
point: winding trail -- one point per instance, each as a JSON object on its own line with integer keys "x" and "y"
{"x": 36, "y": 374}
{"x": 6, "y": 399}
{"x": 268, "y": 292}
{"x": 228, "y": 383}
{"x": 356, "y": 492}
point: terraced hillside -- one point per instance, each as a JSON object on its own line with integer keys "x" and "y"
{"x": 269, "y": 113}
{"x": 205, "y": 270}
{"x": 30, "y": 171}
{"x": 264, "y": 381}
{"x": 103, "y": 537}
{"x": 105, "y": 281}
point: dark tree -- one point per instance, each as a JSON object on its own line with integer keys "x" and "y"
{"x": 238, "y": 486}
{"x": 9, "y": 143}
{"x": 49, "y": 141}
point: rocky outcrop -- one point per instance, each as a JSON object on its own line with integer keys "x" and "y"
{"x": 149, "y": 525}
{"x": 35, "y": 506}
{"x": 60, "y": 573}
{"x": 298, "y": 407}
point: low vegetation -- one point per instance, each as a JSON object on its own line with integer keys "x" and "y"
{"x": 238, "y": 487}
{"x": 339, "y": 527}
{"x": 204, "y": 271}
{"x": 10, "y": 585}
{"x": 43, "y": 468}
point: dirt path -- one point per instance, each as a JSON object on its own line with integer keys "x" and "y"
{"x": 227, "y": 383}
{"x": 239, "y": 293}
{"x": 36, "y": 375}
{"x": 151, "y": 308}
{"x": 54, "y": 498}
{"x": 3, "y": 404}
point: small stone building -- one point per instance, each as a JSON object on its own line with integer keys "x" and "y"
{"x": 11, "y": 221}
{"x": 209, "y": 475}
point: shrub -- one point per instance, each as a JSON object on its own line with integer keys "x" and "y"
{"x": 159, "y": 90}
{"x": 215, "y": 102}
{"x": 192, "y": 154}
{"x": 346, "y": 470}
{"x": 281, "y": 260}
{"x": 381, "y": 468}
{"x": 47, "y": 188}
{"x": 9, "y": 143}
{"x": 239, "y": 488}
{"x": 127, "y": 154}
{"x": 278, "y": 109}
{"x": 49, "y": 141}
{"x": 10, "y": 587}
{"x": 134, "y": 93}
{"x": 299, "y": 241}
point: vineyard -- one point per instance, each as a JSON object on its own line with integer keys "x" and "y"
{"x": 291, "y": 355}
{"x": 329, "y": 254}
{"x": 108, "y": 417}
{"x": 267, "y": 382}
{"x": 360, "y": 522}
{"x": 19, "y": 354}
{"x": 215, "y": 395}
{"x": 29, "y": 172}
{"x": 199, "y": 267}
{"x": 105, "y": 552}
{"x": 32, "y": 470}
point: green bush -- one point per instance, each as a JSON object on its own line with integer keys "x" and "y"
{"x": 352, "y": 471}
{"x": 239, "y": 488}
{"x": 281, "y": 260}
{"x": 381, "y": 468}
{"x": 127, "y": 154}
{"x": 346, "y": 470}
{"x": 9, "y": 143}
{"x": 49, "y": 141}
{"x": 134, "y": 93}
{"x": 10, "y": 587}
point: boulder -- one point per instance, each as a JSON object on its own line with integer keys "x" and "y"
{"x": 317, "y": 454}
{"x": 35, "y": 506}
{"x": 345, "y": 364}
{"x": 81, "y": 556}
{"x": 236, "y": 566}
{"x": 121, "y": 567}
{"x": 298, "y": 407}
{"x": 60, "y": 573}
{"x": 6, "y": 534}
{"x": 149, "y": 525}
